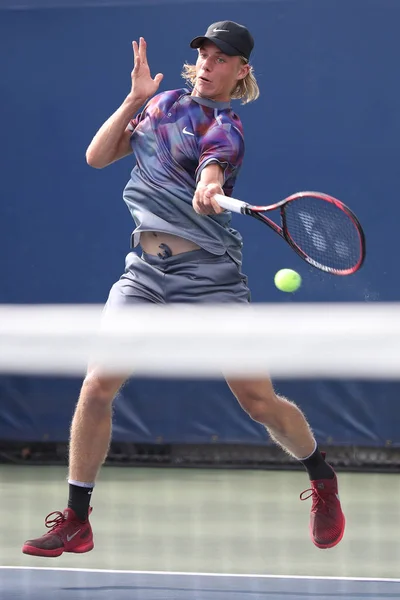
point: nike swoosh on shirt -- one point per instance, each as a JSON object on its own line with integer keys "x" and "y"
{"x": 187, "y": 132}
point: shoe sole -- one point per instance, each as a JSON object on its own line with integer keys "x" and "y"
{"x": 33, "y": 551}
{"x": 332, "y": 544}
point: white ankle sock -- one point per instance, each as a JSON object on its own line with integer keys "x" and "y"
{"x": 81, "y": 483}
{"x": 309, "y": 456}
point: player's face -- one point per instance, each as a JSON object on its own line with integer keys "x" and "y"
{"x": 217, "y": 73}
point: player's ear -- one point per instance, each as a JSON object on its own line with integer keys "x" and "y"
{"x": 244, "y": 71}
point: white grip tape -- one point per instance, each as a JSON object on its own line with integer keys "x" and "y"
{"x": 230, "y": 203}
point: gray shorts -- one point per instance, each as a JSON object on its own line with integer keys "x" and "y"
{"x": 195, "y": 276}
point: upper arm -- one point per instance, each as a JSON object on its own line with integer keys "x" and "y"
{"x": 124, "y": 146}
{"x": 122, "y": 149}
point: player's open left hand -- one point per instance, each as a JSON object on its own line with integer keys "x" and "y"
{"x": 203, "y": 200}
{"x": 143, "y": 85}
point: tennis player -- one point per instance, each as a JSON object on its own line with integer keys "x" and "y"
{"x": 188, "y": 146}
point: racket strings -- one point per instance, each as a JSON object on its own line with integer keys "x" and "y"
{"x": 324, "y": 232}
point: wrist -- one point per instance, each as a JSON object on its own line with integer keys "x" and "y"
{"x": 212, "y": 174}
{"x": 207, "y": 184}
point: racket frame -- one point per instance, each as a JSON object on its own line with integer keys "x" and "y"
{"x": 257, "y": 213}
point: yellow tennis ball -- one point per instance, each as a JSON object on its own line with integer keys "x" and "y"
{"x": 287, "y": 280}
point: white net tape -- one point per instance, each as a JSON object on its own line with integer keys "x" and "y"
{"x": 284, "y": 340}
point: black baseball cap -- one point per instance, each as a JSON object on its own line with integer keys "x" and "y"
{"x": 230, "y": 37}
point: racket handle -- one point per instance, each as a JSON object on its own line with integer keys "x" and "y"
{"x": 230, "y": 203}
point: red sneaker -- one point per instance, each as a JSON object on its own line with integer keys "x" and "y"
{"x": 67, "y": 534}
{"x": 327, "y": 522}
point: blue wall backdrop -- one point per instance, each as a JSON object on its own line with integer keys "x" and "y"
{"x": 328, "y": 119}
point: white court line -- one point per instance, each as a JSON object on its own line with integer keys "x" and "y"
{"x": 178, "y": 573}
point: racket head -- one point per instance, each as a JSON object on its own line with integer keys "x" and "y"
{"x": 324, "y": 232}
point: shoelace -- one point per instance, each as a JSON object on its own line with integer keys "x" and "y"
{"x": 316, "y": 498}
{"x": 54, "y": 523}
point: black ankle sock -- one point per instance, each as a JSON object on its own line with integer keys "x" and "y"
{"x": 317, "y": 468}
{"x": 79, "y": 500}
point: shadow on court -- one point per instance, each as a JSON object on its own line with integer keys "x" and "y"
{"x": 63, "y": 584}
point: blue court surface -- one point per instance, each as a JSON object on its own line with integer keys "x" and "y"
{"x": 80, "y": 584}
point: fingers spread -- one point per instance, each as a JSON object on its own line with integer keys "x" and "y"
{"x": 142, "y": 50}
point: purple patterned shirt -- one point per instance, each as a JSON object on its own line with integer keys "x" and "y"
{"x": 174, "y": 138}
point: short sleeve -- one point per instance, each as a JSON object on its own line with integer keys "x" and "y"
{"x": 147, "y": 110}
{"x": 133, "y": 123}
{"x": 222, "y": 144}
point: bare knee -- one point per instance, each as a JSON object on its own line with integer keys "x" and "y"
{"x": 261, "y": 408}
{"x": 258, "y": 399}
{"x": 100, "y": 389}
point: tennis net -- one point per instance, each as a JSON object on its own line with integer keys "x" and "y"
{"x": 303, "y": 340}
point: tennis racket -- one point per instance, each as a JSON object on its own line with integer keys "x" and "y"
{"x": 321, "y": 230}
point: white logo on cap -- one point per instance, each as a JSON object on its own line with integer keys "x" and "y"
{"x": 216, "y": 30}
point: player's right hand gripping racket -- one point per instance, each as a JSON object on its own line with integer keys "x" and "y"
{"x": 321, "y": 230}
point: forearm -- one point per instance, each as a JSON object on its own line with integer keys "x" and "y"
{"x": 105, "y": 146}
{"x": 210, "y": 183}
{"x": 212, "y": 173}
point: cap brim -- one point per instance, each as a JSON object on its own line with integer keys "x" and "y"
{"x": 223, "y": 46}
